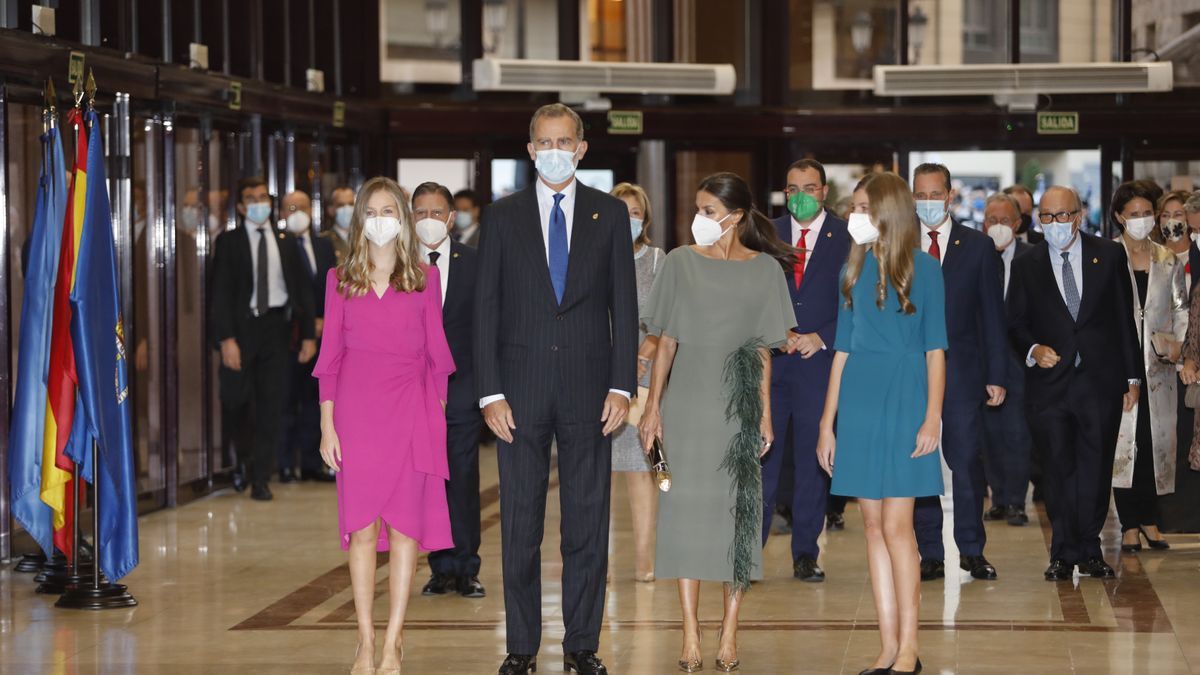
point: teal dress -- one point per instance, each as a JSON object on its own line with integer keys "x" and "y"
{"x": 884, "y": 389}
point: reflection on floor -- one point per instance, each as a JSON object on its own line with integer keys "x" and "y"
{"x": 230, "y": 585}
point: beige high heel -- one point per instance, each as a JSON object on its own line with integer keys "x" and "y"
{"x": 693, "y": 665}
{"x": 722, "y": 665}
{"x": 392, "y": 671}
{"x": 361, "y": 670}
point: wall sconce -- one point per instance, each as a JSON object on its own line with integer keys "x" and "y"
{"x": 495, "y": 21}
{"x": 860, "y": 32}
{"x": 918, "y": 22}
{"x": 437, "y": 19}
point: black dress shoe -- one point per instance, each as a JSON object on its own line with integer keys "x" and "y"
{"x": 806, "y": 569}
{"x": 1097, "y": 569}
{"x": 238, "y": 478}
{"x": 583, "y": 662}
{"x": 518, "y": 664}
{"x": 932, "y": 569}
{"x": 260, "y": 492}
{"x": 994, "y": 513}
{"x": 876, "y": 671}
{"x": 835, "y": 522}
{"x": 1058, "y": 570}
{"x": 439, "y": 584}
{"x": 318, "y": 475}
{"x": 914, "y": 671}
{"x": 978, "y": 566}
{"x": 469, "y": 587}
{"x": 288, "y": 476}
{"x": 1015, "y": 515}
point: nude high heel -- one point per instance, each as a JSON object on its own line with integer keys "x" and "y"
{"x": 361, "y": 670}
{"x": 723, "y": 665}
{"x": 693, "y": 665}
{"x": 391, "y": 671}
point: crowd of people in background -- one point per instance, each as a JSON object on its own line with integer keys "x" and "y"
{"x": 784, "y": 366}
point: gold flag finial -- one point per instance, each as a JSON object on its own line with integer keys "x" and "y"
{"x": 77, "y": 91}
{"x": 49, "y": 111}
{"x": 90, "y": 89}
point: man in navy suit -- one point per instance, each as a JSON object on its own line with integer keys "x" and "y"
{"x": 301, "y": 433}
{"x": 799, "y": 380}
{"x": 1007, "y": 441}
{"x": 455, "y": 569}
{"x": 976, "y": 366}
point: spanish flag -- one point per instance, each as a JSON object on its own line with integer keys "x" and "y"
{"x": 62, "y": 391}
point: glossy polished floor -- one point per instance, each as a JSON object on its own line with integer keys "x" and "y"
{"x": 227, "y": 585}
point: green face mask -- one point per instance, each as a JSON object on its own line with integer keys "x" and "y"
{"x": 803, "y": 206}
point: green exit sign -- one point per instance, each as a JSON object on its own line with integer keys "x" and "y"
{"x": 1058, "y": 122}
{"x": 625, "y": 122}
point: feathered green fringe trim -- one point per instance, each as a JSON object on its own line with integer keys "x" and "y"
{"x": 743, "y": 379}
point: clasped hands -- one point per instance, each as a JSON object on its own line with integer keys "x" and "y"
{"x": 806, "y": 344}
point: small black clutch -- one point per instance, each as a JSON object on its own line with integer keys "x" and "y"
{"x": 658, "y": 464}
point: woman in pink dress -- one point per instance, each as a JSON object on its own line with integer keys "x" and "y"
{"x": 383, "y": 372}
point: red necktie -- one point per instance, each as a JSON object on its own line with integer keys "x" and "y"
{"x": 801, "y": 257}
{"x": 934, "y": 249}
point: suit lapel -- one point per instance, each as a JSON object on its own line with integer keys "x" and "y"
{"x": 584, "y": 234}
{"x": 529, "y": 236}
{"x": 1048, "y": 280}
{"x": 454, "y": 285}
{"x": 1092, "y": 278}
{"x": 819, "y": 255}
{"x": 951, "y": 249}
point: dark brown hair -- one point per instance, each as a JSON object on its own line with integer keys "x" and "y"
{"x": 431, "y": 187}
{"x": 802, "y": 164}
{"x": 931, "y": 167}
{"x": 758, "y": 232}
{"x": 249, "y": 183}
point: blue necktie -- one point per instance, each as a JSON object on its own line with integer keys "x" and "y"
{"x": 558, "y": 248}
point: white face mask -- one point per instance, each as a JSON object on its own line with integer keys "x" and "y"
{"x": 1195, "y": 236}
{"x": 298, "y": 222}
{"x": 861, "y": 229}
{"x": 381, "y": 230}
{"x": 1139, "y": 228}
{"x": 707, "y": 231}
{"x": 1002, "y": 236}
{"x": 432, "y": 231}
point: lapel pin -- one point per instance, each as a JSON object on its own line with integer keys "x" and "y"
{"x": 957, "y": 242}
{"x": 828, "y": 234}
{"x": 1095, "y": 261}
{"x": 454, "y": 255}
{"x": 595, "y": 216}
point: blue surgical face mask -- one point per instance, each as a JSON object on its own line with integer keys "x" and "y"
{"x": 932, "y": 212}
{"x": 1058, "y": 235}
{"x": 555, "y": 166}
{"x": 343, "y": 215}
{"x": 635, "y": 227}
{"x": 258, "y": 212}
{"x": 462, "y": 220}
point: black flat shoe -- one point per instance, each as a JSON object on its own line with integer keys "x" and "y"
{"x": 261, "y": 493}
{"x": 995, "y": 513}
{"x": 1015, "y": 515}
{"x": 932, "y": 569}
{"x": 287, "y": 476}
{"x": 806, "y": 569}
{"x": 876, "y": 671}
{"x": 469, "y": 587}
{"x": 1097, "y": 569}
{"x": 978, "y": 566}
{"x": 1058, "y": 570}
{"x": 1156, "y": 544}
{"x": 916, "y": 670}
{"x": 518, "y": 664}
{"x": 439, "y": 584}
{"x": 583, "y": 662}
{"x": 835, "y": 522}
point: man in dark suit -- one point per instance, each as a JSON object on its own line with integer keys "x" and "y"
{"x": 799, "y": 380}
{"x": 258, "y": 288}
{"x": 1007, "y": 442}
{"x": 1192, "y": 208}
{"x": 1068, "y": 312}
{"x": 1024, "y": 197}
{"x": 456, "y": 568}
{"x": 555, "y": 359}
{"x": 341, "y": 211}
{"x": 975, "y": 371}
{"x": 466, "y": 219}
{"x": 302, "y": 409}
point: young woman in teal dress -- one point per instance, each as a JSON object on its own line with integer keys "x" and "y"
{"x": 885, "y": 393}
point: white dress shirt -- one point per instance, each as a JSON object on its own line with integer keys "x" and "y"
{"x": 1006, "y": 256}
{"x": 275, "y": 281}
{"x": 943, "y": 231}
{"x": 467, "y": 232}
{"x": 545, "y": 199}
{"x": 306, "y": 243}
{"x": 814, "y": 233}
{"x": 443, "y": 263}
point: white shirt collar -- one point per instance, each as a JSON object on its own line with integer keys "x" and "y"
{"x": 1075, "y": 249}
{"x": 546, "y": 195}
{"x": 1008, "y": 253}
{"x": 814, "y": 229}
{"x": 943, "y": 230}
{"x": 443, "y": 248}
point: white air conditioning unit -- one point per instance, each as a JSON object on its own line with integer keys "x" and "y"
{"x": 1019, "y": 81}
{"x": 603, "y": 77}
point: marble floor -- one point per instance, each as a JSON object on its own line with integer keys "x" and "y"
{"x": 228, "y": 585}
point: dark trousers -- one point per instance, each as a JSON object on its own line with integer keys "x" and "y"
{"x": 1138, "y": 505}
{"x": 796, "y": 438}
{"x": 251, "y": 398}
{"x": 462, "y": 495}
{"x": 961, "y": 446}
{"x": 301, "y": 435}
{"x": 1079, "y": 436}
{"x": 584, "y": 473}
{"x": 836, "y": 504}
{"x": 1008, "y": 445}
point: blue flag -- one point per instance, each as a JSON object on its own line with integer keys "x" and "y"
{"x": 33, "y": 357}
{"x": 100, "y": 361}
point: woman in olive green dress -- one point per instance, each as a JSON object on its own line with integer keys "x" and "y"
{"x": 718, "y": 306}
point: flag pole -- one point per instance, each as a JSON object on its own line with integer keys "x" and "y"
{"x": 100, "y": 593}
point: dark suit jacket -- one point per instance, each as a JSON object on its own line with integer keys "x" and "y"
{"x": 1034, "y": 236}
{"x": 458, "y": 314}
{"x": 1104, "y": 335}
{"x": 815, "y": 303}
{"x": 326, "y": 260}
{"x": 1194, "y": 262}
{"x": 541, "y": 354}
{"x": 233, "y": 284}
{"x": 975, "y": 322}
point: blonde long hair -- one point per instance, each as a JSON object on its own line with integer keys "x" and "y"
{"x": 894, "y": 213}
{"x": 623, "y": 190}
{"x": 354, "y": 272}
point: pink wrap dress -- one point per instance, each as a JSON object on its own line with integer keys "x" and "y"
{"x": 385, "y": 364}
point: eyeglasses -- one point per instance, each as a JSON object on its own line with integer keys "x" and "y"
{"x": 1060, "y": 217}
{"x": 811, "y": 190}
{"x": 998, "y": 221}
